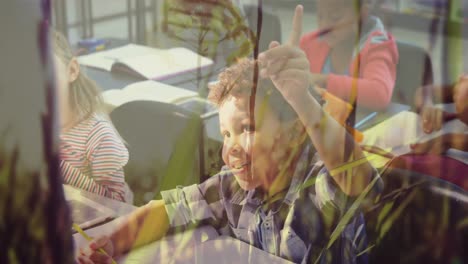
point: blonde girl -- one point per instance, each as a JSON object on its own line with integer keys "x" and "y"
{"x": 92, "y": 154}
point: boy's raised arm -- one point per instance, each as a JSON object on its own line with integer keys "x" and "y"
{"x": 288, "y": 67}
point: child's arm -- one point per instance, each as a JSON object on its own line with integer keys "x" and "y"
{"x": 331, "y": 141}
{"x": 180, "y": 208}
{"x": 427, "y": 96}
{"x": 288, "y": 67}
{"x": 147, "y": 224}
{"x": 375, "y": 83}
{"x": 107, "y": 173}
{"x": 107, "y": 157}
{"x": 77, "y": 178}
{"x": 441, "y": 144}
{"x": 458, "y": 141}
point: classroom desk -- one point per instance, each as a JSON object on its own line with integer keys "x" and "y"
{"x": 201, "y": 245}
{"x": 109, "y": 80}
{"x": 119, "y": 208}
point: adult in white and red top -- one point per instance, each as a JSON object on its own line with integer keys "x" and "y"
{"x": 344, "y": 56}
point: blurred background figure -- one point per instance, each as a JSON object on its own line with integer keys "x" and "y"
{"x": 92, "y": 154}
{"x": 35, "y": 226}
{"x": 351, "y": 54}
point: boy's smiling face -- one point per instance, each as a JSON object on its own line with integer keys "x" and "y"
{"x": 253, "y": 150}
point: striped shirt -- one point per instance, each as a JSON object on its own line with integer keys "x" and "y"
{"x": 297, "y": 228}
{"x": 92, "y": 157}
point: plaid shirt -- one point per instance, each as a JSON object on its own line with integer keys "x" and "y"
{"x": 297, "y": 228}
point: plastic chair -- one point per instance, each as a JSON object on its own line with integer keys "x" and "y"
{"x": 414, "y": 70}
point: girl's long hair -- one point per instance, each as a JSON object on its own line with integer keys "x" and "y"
{"x": 85, "y": 96}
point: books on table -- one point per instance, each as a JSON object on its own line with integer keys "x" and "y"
{"x": 146, "y": 91}
{"x": 149, "y": 63}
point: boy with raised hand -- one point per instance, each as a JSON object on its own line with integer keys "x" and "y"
{"x": 274, "y": 136}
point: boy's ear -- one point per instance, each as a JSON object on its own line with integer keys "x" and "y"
{"x": 73, "y": 70}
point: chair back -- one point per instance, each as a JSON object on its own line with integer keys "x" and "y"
{"x": 414, "y": 70}
{"x": 163, "y": 143}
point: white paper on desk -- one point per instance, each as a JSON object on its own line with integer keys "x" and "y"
{"x": 226, "y": 249}
{"x": 188, "y": 248}
{"x": 171, "y": 249}
{"x": 105, "y": 59}
{"x": 96, "y": 61}
{"x": 156, "y": 252}
{"x": 201, "y": 245}
{"x": 159, "y": 64}
{"x": 146, "y": 91}
{"x": 128, "y": 51}
{"x": 401, "y": 129}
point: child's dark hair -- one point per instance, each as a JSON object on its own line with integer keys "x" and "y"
{"x": 238, "y": 80}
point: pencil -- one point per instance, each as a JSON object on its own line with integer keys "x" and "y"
{"x": 88, "y": 238}
{"x": 365, "y": 120}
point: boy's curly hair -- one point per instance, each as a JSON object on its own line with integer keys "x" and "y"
{"x": 238, "y": 81}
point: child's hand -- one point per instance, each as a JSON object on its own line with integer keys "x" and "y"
{"x": 432, "y": 119}
{"x": 438, "y": 145}
{"x": 91, "y": 253}
{"x": 287, "y": 65}
{"x": 460, "y": 98}
{"x": 423, "y": 97}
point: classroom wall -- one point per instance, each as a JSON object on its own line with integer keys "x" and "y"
{"x": 34, "y": 218}
{"x": 118, "y": 27}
